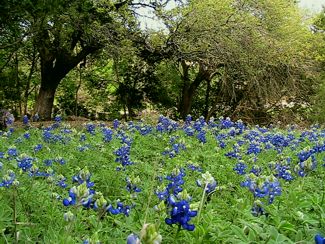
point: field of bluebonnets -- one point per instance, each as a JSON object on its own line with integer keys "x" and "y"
{"x": 189, "y": 182}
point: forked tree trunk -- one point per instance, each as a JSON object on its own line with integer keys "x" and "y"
{"x": 54, "y": 67}
{"x": 44, "y": 102}
{"x": 189, "y": 89}
{"x": 186, "y": 102}
{"x": 49, "y": 83}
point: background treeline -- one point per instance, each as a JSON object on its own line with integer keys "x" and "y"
{"x": 260, "y": 61}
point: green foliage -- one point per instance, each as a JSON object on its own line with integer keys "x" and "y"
{"x": 225, "y": 214}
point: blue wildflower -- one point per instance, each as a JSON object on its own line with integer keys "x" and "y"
{"x": 25, "y": 120}
{"x": 133, "y": 239}
{"x": 319, "y": 239}
{"x": 90, "y": 127}
{"x": 38, "y": 147}
{"x": 12, "y": 151}
{"x": 240, "y": 168}
{"x": 181, "y": 214}
{"x": 26, "y": 135}
{"x": 8, "y": 179}
{"x": 25, "y": 162}
{"x": 108, "y": 134}
{"x": 116, "y": 124}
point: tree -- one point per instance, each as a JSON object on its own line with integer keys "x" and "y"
{"x": 66, "y": 32}
{"x": 253, "y": 52}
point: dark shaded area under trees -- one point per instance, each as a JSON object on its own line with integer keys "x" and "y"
{"x": 253, "y": 60}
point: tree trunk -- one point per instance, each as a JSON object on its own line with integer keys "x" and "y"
{"x": 207, "y": 100}
{"x": 186, "y": 102}
{"x": 189, "y": 89}
{"x": 54, "y": 67}
{"x": 45, "y": 101}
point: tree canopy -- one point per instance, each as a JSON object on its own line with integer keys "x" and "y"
{"x": 232, "y": 57}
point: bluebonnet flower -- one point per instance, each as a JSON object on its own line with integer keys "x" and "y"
{"x": 8, "y": 179}
{"x": 240, "y": 168}
{"x": 25, "y": 162}
{"x": 257, "y": 209}
{"x": 12, "y": 151}
{"x": 162, "y": 193}
{"x": 9, "y": 118}
{"x": 120, "y": 209}
{"x": 304, "y": 167}
{"x": 166, "y": 125}
{"x": 319, "y": 239}
{"x": 188, "y": 120}
{"x": 225, "y": 123}
{"x": 123, "y": 155}
{"x": 83, "y": 177}
{"x": 284, "y": 172}
{"x": 263, "y": 187}
{"x": 25, "y": 120}
{"x": 35, "y": 117}
{"x": 232, "y": 132}
{"x": 116, "y": 124}
{"x": 90, "y": 128}
{"x": 133, "y": 239}
{"x": 2, "y": 154}
{"x": 253, "y": 148}
{"x": 176, "y": 181}
{"x": 176, "y": 148}
{"x": 240, "y": 126}
{"x": 60, "y": 160}
{"x": 35, "y": 172}
{"x": 189, "y": 131}
{"x": 194, "y": 167}
{"x": 58, "y": 119}
{"x": 72, "y": 199}
{"x": 66, "y": 131}
{"x": 279, "y": 140}
{"x": 108, "y": 134}
{"x": 212, "y": 123}
{"x": 80, "y": 195}
{"x": 82, "y": 137}
{"x": 84, "y": 147}
{"x": 207, "y": 182}
{"x": 180, "y": 214}
{"x": 48, "y": 162}
{"x": 201, "y": 136}
{"x": 199, "y": 124}
{"x": 256, "y": 170}
{"x": 38, "y": 147}
{"x": 27, "y": 135}
{"x": 179, "y": 211}
{"x": 222, "y": 144}
{"x": 235, "y": 153}
{"x": 132, "y": 184}
{"x": 47, "y": 135}
{"x": 305, "y": 154}
{"x": 61, "y": 181}
{"x": 145, "y": 130}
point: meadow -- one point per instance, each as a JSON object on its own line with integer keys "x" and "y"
{"x": 168, "y": 182}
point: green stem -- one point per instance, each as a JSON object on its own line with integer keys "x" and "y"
{"x": 177, "y": 232}
{"x": 4, "y": 237}
{"x": 15, "y": 214}
{"x": 201, "y": 203}
{"x": 150, "y": 194}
